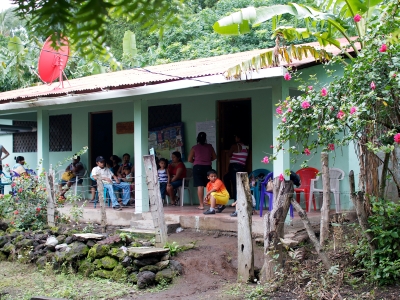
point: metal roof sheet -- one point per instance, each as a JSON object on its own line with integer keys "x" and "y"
{"x": 147, "y": 76}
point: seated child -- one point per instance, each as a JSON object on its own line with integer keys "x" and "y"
{"x": 163, "y": 176}
{"x": 126, "y": 176}
{"x": 217, "y": 195}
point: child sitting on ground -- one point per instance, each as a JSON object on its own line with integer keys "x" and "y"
{"x": 217, "y": 195}
{"x": 163, "y": 177}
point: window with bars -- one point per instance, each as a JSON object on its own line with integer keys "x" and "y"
{"x": 60, "y": 134}
{"x": 164, "y": 115}
{"x": 24, "y": 141}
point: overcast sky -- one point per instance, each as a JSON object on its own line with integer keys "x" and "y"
{"x": 4, "y": 4}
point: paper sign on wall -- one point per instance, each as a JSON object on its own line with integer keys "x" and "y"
{"x": 210, "y": 129}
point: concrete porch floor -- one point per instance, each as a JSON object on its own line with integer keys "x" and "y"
{"x": 187, "y": 217}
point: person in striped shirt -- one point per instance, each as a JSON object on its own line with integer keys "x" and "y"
{"x": 163, "y": 176}
{"x": 238, "y": 154}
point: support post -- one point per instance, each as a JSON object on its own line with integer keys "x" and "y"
{"x": 43, "y": 139}
{"x": 274, "y": 222}
{"x": 244, "y": 207}
{"x": 100, "y": 194}
{"x": 50, "y": 197}
{"x": 326, "y": 203}
{"x": 156, "y": 204}
{"x": 141, "y": 131}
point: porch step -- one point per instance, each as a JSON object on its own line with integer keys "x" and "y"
{"x": 173, "y": 218}
{"x": 148, "y": 225}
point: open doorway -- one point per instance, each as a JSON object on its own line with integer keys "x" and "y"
{"x": 101, "y": 136}
{"x": 234, "y": 117}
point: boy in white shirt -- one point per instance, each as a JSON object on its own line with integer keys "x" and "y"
{"x": 107, "y": 178}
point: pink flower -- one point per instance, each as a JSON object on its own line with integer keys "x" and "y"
{"x": 310, "y": 87}
{"x": 265, "y": 160}
{"x": 340, "y": 115}
{"x": 289, "y": 109}
{"x": 287, "y": 76}
{"x": 332, "y": 108}
{"x": 16, "y": 212}
{"x": 307, "y": 151}
{"x": 271, "y": 146}
{"x": 357, "y": 18}
{"x": 279, "y": 110}
{"x": 373, "y": 86}
{"x": 281, "y": 178}
{"x": 7, "y": 165}
{"x": 394, "y": 75}
{"x": 20, "y": 190}
{"x": 353, "y": 110}
{"x": 331, "y": 147}
{"x": 283, "y": 119}
{"x": 13, "y": 184}
{"x": 324, "y": 92}
{"x": 397, "y": 138}
{"x": 38, "y": 209}
{"x": 305, "y": 104}
{"x": 383, "y": 48}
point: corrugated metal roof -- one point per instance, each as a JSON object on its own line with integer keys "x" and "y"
{"x": 140, "y": 77}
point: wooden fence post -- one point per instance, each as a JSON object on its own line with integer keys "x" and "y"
{"x": 326, "y": 203}
{"x": 49, "y": 180}
{"x": 244, "y": 207}
{"x": 100, "y": 194}
{"x": 156, "y": 205}
{"x": 274, "y": 222}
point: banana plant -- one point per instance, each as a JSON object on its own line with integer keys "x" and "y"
{"x": 341, "y": 18}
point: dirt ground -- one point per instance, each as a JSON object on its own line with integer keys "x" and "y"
{"x": 207, "y": 268}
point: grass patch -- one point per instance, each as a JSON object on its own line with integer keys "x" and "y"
{"x": 25, "y": 281}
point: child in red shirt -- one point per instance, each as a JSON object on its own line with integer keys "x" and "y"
{"x": 217, "y": 195}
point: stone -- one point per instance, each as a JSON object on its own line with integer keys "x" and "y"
{"x": 84, "y": 237}
{"x": 41, "y": 262}
{"x": 166, "y": 275}
{"x": 61, "y": 239}
{"x": 3, "y": 226}
{"x": 162, "y": 264}
{"x": 147, "y": 244}
{"x": 98, "y": 251}
{"x": 119, "y": 274}
{"x": 103, "y": 274}
{"x": 165, "y": 257}
{"x": 3, "y": 240}
{"x": 136, "y": 244}
{"x": 78, "y": 250}
{"x": 46, "y": 298}
{"x": 108, "y": 262}
{"x": 51, "y": 241}
{"x": 91, "y": 243}
{"x": 117, "y": 253}
{"x": 61, "y": 247}
{"x": 187, "y": 247}
{"x": 176, "y": 266}
{"x": 145, "y": 261}
{"x": 8, "y": 248}
{"x": 131, "y": 269}
{"x": 69, "y": 240}
{"x": 114, "y": 239}
{"x": 133, "y": 277}
{"x": 60, "y": 256}
{"x": 139, "y": 252}
{"x": 151, "y": 268}
{"x": 145, "y": 279}
{"x": 51, "y": 248}
{"x": 2, "y": 256}
{"x": 18, "y": 238}
{"x": 126, "y": 262}
{"x": 86, "y": 268}
{"x": 40, "y": 236}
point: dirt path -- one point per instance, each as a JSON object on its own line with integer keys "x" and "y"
{"x": 207, "y": 268}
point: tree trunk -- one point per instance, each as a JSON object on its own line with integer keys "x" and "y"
{"x": 50, "y": 197}
{"x": 274, "y": 229}
{"x": 156, "y": 205}
{"x": 385, "y": 169}
{"x": 244, "y": 207}
{"x": 100, "y": 194}
{"x": 311, "y": 234}
{"x": 326, "y": 204}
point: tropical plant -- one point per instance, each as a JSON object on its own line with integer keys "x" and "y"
{"x": 325, "y": 27}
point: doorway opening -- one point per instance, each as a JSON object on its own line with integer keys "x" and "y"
{"x": 101, "y": 136}
{"x": 234, "y": 117}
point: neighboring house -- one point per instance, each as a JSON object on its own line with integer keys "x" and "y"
{"x": 90, "y": 110}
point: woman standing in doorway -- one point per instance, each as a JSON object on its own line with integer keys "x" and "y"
{"x": 201, "y": 155}
{"x": 238, "y": 154}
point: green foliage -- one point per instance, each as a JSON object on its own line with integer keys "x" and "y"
{"x": 384, "y": 263}
{"x": 173, "y": 247}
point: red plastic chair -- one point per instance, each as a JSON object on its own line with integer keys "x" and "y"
{"x": 306, "y": 175}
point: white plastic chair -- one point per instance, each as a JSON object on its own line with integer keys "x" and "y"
{"x": 74, "y": 187}
{"x": 183, "y": 187}
{"x": 335, "y": 175}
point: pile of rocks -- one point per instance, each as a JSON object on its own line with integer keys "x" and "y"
{"x": 89, "y": 254}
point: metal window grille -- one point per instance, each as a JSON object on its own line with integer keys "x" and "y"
{"x": 164, "y": 115}
{"x": 60, "y": 135}
{"x": 24, "y": 141}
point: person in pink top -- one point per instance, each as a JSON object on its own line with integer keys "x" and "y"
{"x": 238, "y": 154}
{"x": 201, "y": 155}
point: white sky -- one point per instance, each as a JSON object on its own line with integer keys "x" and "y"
{"x": 4, "y": 4}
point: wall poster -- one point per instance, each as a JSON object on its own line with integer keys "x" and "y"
{"x": 167, "y": 139}
{"x": 210, "y": 129}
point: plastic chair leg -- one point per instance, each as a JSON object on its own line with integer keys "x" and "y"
{"x": 261, "y": 205}
{"x": 291, "y": 211}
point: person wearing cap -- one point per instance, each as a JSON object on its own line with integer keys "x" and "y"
{"x": 201, "y": 155}
{"x": 110, "y": 181}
